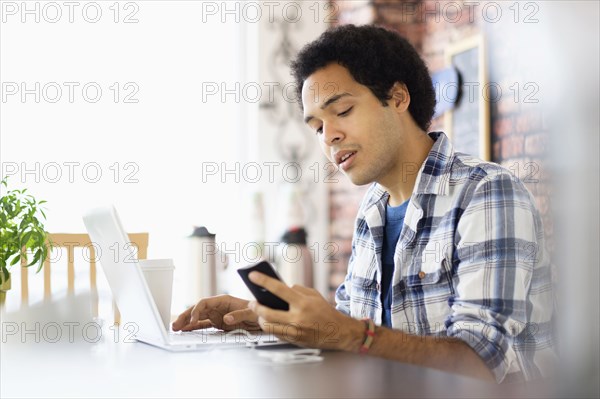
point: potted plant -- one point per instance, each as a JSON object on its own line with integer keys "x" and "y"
{"x": 22, "y": 233}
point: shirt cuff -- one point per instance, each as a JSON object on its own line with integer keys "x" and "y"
{"x": 488, "y": 342}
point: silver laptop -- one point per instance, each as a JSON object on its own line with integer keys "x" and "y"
{"x": 134, "y": 299}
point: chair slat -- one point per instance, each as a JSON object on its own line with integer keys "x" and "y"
{"x": 93, "y": 283}
{"x": 47, "y": 280}
{"x": 24, "y": 280}
{"x": 71, "y": 270}
{"x": 70, "y": 242}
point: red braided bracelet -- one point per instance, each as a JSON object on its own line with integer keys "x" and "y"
{"x": 369, "y": 336}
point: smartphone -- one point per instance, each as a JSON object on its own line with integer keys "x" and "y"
{"x": 263, "y": 296}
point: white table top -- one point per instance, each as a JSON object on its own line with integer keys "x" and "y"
{"x": 109, "y": 369}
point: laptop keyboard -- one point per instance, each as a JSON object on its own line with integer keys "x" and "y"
{"x": 215, "y": 336}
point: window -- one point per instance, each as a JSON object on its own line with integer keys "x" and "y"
{"x": 123, "y": 110}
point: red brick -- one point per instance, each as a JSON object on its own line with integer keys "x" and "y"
{"x": 347, "y": 212}
{"x": 536, "y": 144}
{"x": 548, "y": 222}
{"x": 507, "y": 104}
{"x": 351, "y": 5}
{"x": 437, "y": 41}
{"x": 542, "y": 204}
{"x": 503, "y": 127}
{"x": 341, "y": 228}
{"x": 344, "y": 246}
{"x": 362, "y": 16}
{"x": 396, "y": 17}
{"x": 398, "y": 12}
{"x": 546, "y": 119}
{"x": 338, "y": 263}
{"x": 497, "y": 153}
{"x": 512, "y": 146}
{"x": 528, "y": 122}
{"x": 532, "y": 182}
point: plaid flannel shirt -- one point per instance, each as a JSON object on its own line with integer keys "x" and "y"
{"x": 470, "y": 263}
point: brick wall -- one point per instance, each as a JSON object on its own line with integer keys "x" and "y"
{"x": 519, "y": 133}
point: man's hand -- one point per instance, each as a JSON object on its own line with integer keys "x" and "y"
{"x": 222, "y": 311}
{"x": 310, "y": 321}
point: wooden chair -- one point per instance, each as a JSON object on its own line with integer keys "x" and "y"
{"x": 70, "y": 242}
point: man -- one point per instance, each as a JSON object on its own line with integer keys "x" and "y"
{"x": 447, "y": 255}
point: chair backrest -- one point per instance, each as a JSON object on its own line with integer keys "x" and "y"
{"x": 70, "y": 242}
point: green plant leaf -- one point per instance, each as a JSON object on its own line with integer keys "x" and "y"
{"x": 25, "y": 239}
{"x": 5, "y": 274}
{"x": 21, "y": 227}
{"x": 36, "y": 257}
{"x": 15, "y": 260}
{"x": 24, "y": 223}
{"x": 42, "y": 259}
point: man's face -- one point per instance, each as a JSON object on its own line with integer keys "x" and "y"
{"x": 354, "y": 129}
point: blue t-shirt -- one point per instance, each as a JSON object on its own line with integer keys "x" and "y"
{"x": 394, "y": 218}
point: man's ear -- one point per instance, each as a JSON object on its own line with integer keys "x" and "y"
{"x": 400, "y": 97}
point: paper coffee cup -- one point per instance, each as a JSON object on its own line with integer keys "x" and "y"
{"x": 159, "y": 277}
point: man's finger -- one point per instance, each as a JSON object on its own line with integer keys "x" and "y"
{"x": 303, "y": 290}
{"x": 239, "y": 316}
{"x": 267, "y": 313}
{"x": 198, "y": 311}
{"x": 275, "y": 286}
{"x": 200, "y": 324}
{"x": 183, "y": 319}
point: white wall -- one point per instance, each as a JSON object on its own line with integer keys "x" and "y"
{"x": 281, "y": 128}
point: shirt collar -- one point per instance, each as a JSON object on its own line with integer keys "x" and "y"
{"x": 434, "y": 175}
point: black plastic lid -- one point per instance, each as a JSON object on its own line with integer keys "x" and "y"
{"x": 201, "y": 232}
{"x": 296, "y": 235}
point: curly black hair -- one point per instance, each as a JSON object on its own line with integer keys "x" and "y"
{"x": 376, "y": 58}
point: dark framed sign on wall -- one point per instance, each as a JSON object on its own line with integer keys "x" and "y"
{"x": 468, "y": 123}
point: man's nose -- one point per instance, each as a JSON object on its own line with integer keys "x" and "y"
{"x": 332, "y": 135}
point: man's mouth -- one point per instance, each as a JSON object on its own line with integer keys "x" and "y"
{"x": 344, "y": 160}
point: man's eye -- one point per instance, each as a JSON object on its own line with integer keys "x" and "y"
{"x": 346, "y": 112}
{"x": 319, "y": 130}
